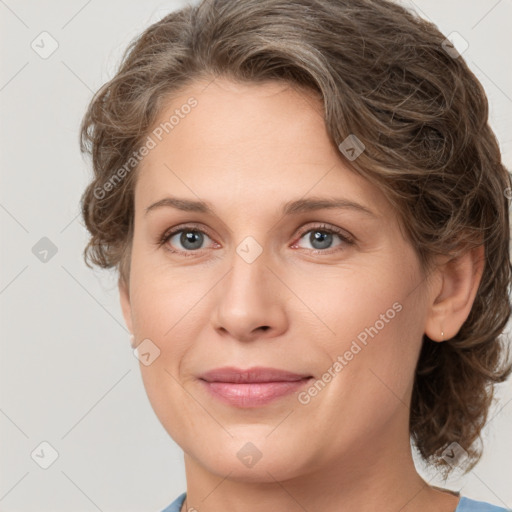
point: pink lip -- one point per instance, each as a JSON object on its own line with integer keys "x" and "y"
{"x": 253, "y": 387}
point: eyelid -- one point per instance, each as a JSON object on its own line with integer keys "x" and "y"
{"x": 190, "y": 226}
{"x": 322, "y": 226}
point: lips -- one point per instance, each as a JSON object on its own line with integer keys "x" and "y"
{"x": 253, "y": 387}
{"x": 251, "y": 375}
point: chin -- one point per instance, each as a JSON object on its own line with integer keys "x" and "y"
{"x": 253, "y": 458}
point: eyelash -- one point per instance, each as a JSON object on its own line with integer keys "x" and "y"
{"x": 167, "y": 235}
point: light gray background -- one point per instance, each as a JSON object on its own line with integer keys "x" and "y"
{"x": 68, "y": 376}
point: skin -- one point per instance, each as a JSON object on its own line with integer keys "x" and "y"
{"x": 247, "y": 150}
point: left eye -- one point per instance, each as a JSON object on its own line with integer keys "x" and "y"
{"x": 321, "y": 238}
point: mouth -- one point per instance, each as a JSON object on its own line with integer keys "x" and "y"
{"x": 253, "y": 387}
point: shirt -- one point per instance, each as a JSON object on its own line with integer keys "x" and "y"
{"x": 465, "y": 505}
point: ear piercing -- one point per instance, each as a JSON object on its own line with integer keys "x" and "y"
{"x": 442, "y": 335}
{"x": 132, "y": 340}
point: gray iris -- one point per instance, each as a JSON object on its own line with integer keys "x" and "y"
{"x": 320, "y": 239}
{"x": 194, "y": 238}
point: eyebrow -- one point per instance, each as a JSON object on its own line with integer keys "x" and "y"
{"x": 289, "y": 208}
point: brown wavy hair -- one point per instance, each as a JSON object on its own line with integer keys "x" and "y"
{"x": 383, "y": 74}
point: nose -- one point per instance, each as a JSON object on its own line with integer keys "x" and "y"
{"x": 250, "y": 301}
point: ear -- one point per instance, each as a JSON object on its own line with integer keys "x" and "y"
{"x": 124, "y": 297}
{"x": 450, "y": 302}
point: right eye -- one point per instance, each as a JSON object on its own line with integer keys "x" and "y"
{"x": 185, "y": 240}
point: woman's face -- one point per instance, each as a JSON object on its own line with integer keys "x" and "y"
{"x": 263, "y": 270}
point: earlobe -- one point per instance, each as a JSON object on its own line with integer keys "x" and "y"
{"x": 124, "y": 297}
{"x": 450, "y": 306}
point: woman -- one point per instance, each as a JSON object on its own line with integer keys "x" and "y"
{"x": 307, "y": 208}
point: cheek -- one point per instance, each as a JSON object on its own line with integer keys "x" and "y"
{"x": 168, "y": 309}
{"x": 162, "y": 296}
{"x": 163, "y": 313}
{"x": 371, "y": 325}
{"x": 343, "y": 304}
{"x": 368, "y": 374}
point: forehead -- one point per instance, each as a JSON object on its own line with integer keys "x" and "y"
{"x": 236, "y": 118}
{"x": 258, "y": 141}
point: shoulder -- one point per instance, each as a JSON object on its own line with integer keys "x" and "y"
{"x": 469, "y": 505}
{"x": 175, "y": 506}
